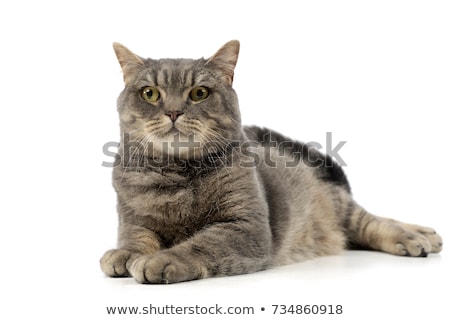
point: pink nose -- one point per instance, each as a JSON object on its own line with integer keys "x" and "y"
{"x": 173, "y": 115}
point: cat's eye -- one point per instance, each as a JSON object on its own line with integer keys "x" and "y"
{"x": 199, "y": 94}
{"x": 150, "y": 94}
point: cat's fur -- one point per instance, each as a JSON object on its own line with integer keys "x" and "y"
{"x": 235, "y": 206}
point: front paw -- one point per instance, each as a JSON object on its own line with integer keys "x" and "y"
{"x": 165, "y": 268}
{"x": 116, "y": 262}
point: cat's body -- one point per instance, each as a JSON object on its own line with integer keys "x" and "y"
{"x": 199, "y": 195}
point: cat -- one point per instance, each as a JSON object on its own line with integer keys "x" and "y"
{"x": 200, "y": 195}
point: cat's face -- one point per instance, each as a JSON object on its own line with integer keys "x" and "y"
{"x": 179, "y": 107}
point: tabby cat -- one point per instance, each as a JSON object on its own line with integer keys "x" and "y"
{"x": 199, "y": 195}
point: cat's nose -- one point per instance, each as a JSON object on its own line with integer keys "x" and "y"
{"x": 174, "y": 115}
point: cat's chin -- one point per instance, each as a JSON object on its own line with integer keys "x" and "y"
{"x": 178, "y": 145}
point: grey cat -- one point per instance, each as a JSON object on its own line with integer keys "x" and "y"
{"x": 199, "y": 195}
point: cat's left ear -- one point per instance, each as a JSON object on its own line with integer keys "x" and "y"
{"x": 225, "y": 59}
{"x": 129, "y": 62}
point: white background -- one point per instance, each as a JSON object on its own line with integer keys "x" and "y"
{"x": 374, "y": 73}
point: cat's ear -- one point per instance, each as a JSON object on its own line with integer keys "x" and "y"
{"x": 129, "y": 62}
{"x": 225, "y": 59}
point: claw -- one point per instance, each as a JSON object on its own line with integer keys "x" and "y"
{"x": 423, "y": 253}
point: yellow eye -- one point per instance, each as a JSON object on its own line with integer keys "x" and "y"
{"x": 150, "y": 94}
{"x": 199, "y": 93}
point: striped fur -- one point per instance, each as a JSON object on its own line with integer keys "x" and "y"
{"x": 201, "y": 196}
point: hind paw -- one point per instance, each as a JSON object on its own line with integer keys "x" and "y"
{"x": 418, "y": 241}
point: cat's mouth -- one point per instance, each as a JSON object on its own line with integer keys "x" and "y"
{"x": 177, "y": 129}
{"x": 173, "y": 131}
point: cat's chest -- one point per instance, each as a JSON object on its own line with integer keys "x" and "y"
{"x": 168, "y": 197}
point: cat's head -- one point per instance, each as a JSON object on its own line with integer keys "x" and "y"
{"x": 179, "y": 107}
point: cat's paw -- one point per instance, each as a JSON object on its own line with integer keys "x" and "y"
{"x": 418, "y": 241}
{"x": 116, "y": 262}
{"x": 164, "y": 268}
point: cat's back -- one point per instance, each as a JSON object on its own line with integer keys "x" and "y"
{"x": 284, "y": 154}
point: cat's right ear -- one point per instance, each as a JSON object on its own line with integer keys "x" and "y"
{"x": 129, "y": 62}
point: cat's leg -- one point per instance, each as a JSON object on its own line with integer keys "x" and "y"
{"x": 134, "y": 241}
{"x": 222, "y": 249}
{"x": 388, "y": 235}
